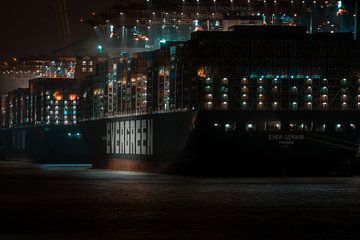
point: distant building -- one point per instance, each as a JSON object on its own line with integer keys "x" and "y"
{"x": 18, "y": 73}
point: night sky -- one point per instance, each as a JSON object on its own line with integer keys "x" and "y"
{"x": 28, "y": 27}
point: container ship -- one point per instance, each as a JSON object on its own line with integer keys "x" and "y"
{"x": 252, "y": 99}
{"x": 39, "y": 123}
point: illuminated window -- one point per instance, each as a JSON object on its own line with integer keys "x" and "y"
{"x": 224, "y": 97}
{"x": 244, "y": 89}
{"x": 244, "y": 105}
{"x": 344, "y": 81}
{"x": 260, "y": 81}
{"x": 344, "y": 105}
{"x": 250, "y": 126}
{"x": 275, "y": 105}
{"x": 323, "y": 105}
{"x": 275, "y": 89}
{"x": 225, "y": 81}
{"x": 308, "y": 105}
{"x": 321, "y": 128}
{"x": 274, "y": 126}
{"x": 83, "y": 69}
{"x": 244, "y": 81}
{"x": 208, "y": 81}
{"x": 84, "y": 63}
{"x": 208, "y": 89}
{"x": 260, "y": 89}
{"x": 208, "y": 105}
{"x": 208, "y": 97}
{"x": 224, "y": 105}
{"x": 260, "y": 106}
{"x": 323, "y": 98}
{"x": 229, "y": 127}
{"x": 324, "y": 90}
{"x": 308, "y": 81}
{"x": 339, "y": 128}
{"x": 294, "y": 105}
{"x": 344, "y": 97}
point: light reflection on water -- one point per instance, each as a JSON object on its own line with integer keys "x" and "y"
{"x": 50, "y": 167}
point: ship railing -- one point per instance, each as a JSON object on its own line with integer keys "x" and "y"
{"x": 138, "y": 113}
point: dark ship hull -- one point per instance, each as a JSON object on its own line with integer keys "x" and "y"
{"x": 43, "y": 144}
{"x": 258, "y": 143}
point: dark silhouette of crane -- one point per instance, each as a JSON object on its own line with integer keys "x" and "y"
{"x": 62, "y": 19}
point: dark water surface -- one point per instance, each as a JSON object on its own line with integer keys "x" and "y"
{"x": 42, "y": 202}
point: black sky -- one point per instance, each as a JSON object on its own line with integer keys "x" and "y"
{"x": 28, "y": 27}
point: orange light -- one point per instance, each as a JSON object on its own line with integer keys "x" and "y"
{"x": 201, "y": 72}
{"x": 72, "y": 97}
{"x": 341, "y": 11}
{"x": 57, "y": 96}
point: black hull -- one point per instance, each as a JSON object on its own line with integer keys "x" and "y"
{"x": 44, "y": 144}
{"x": 188, "y": 143}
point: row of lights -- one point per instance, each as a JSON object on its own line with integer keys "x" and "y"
{"x": 249, "y": 1}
